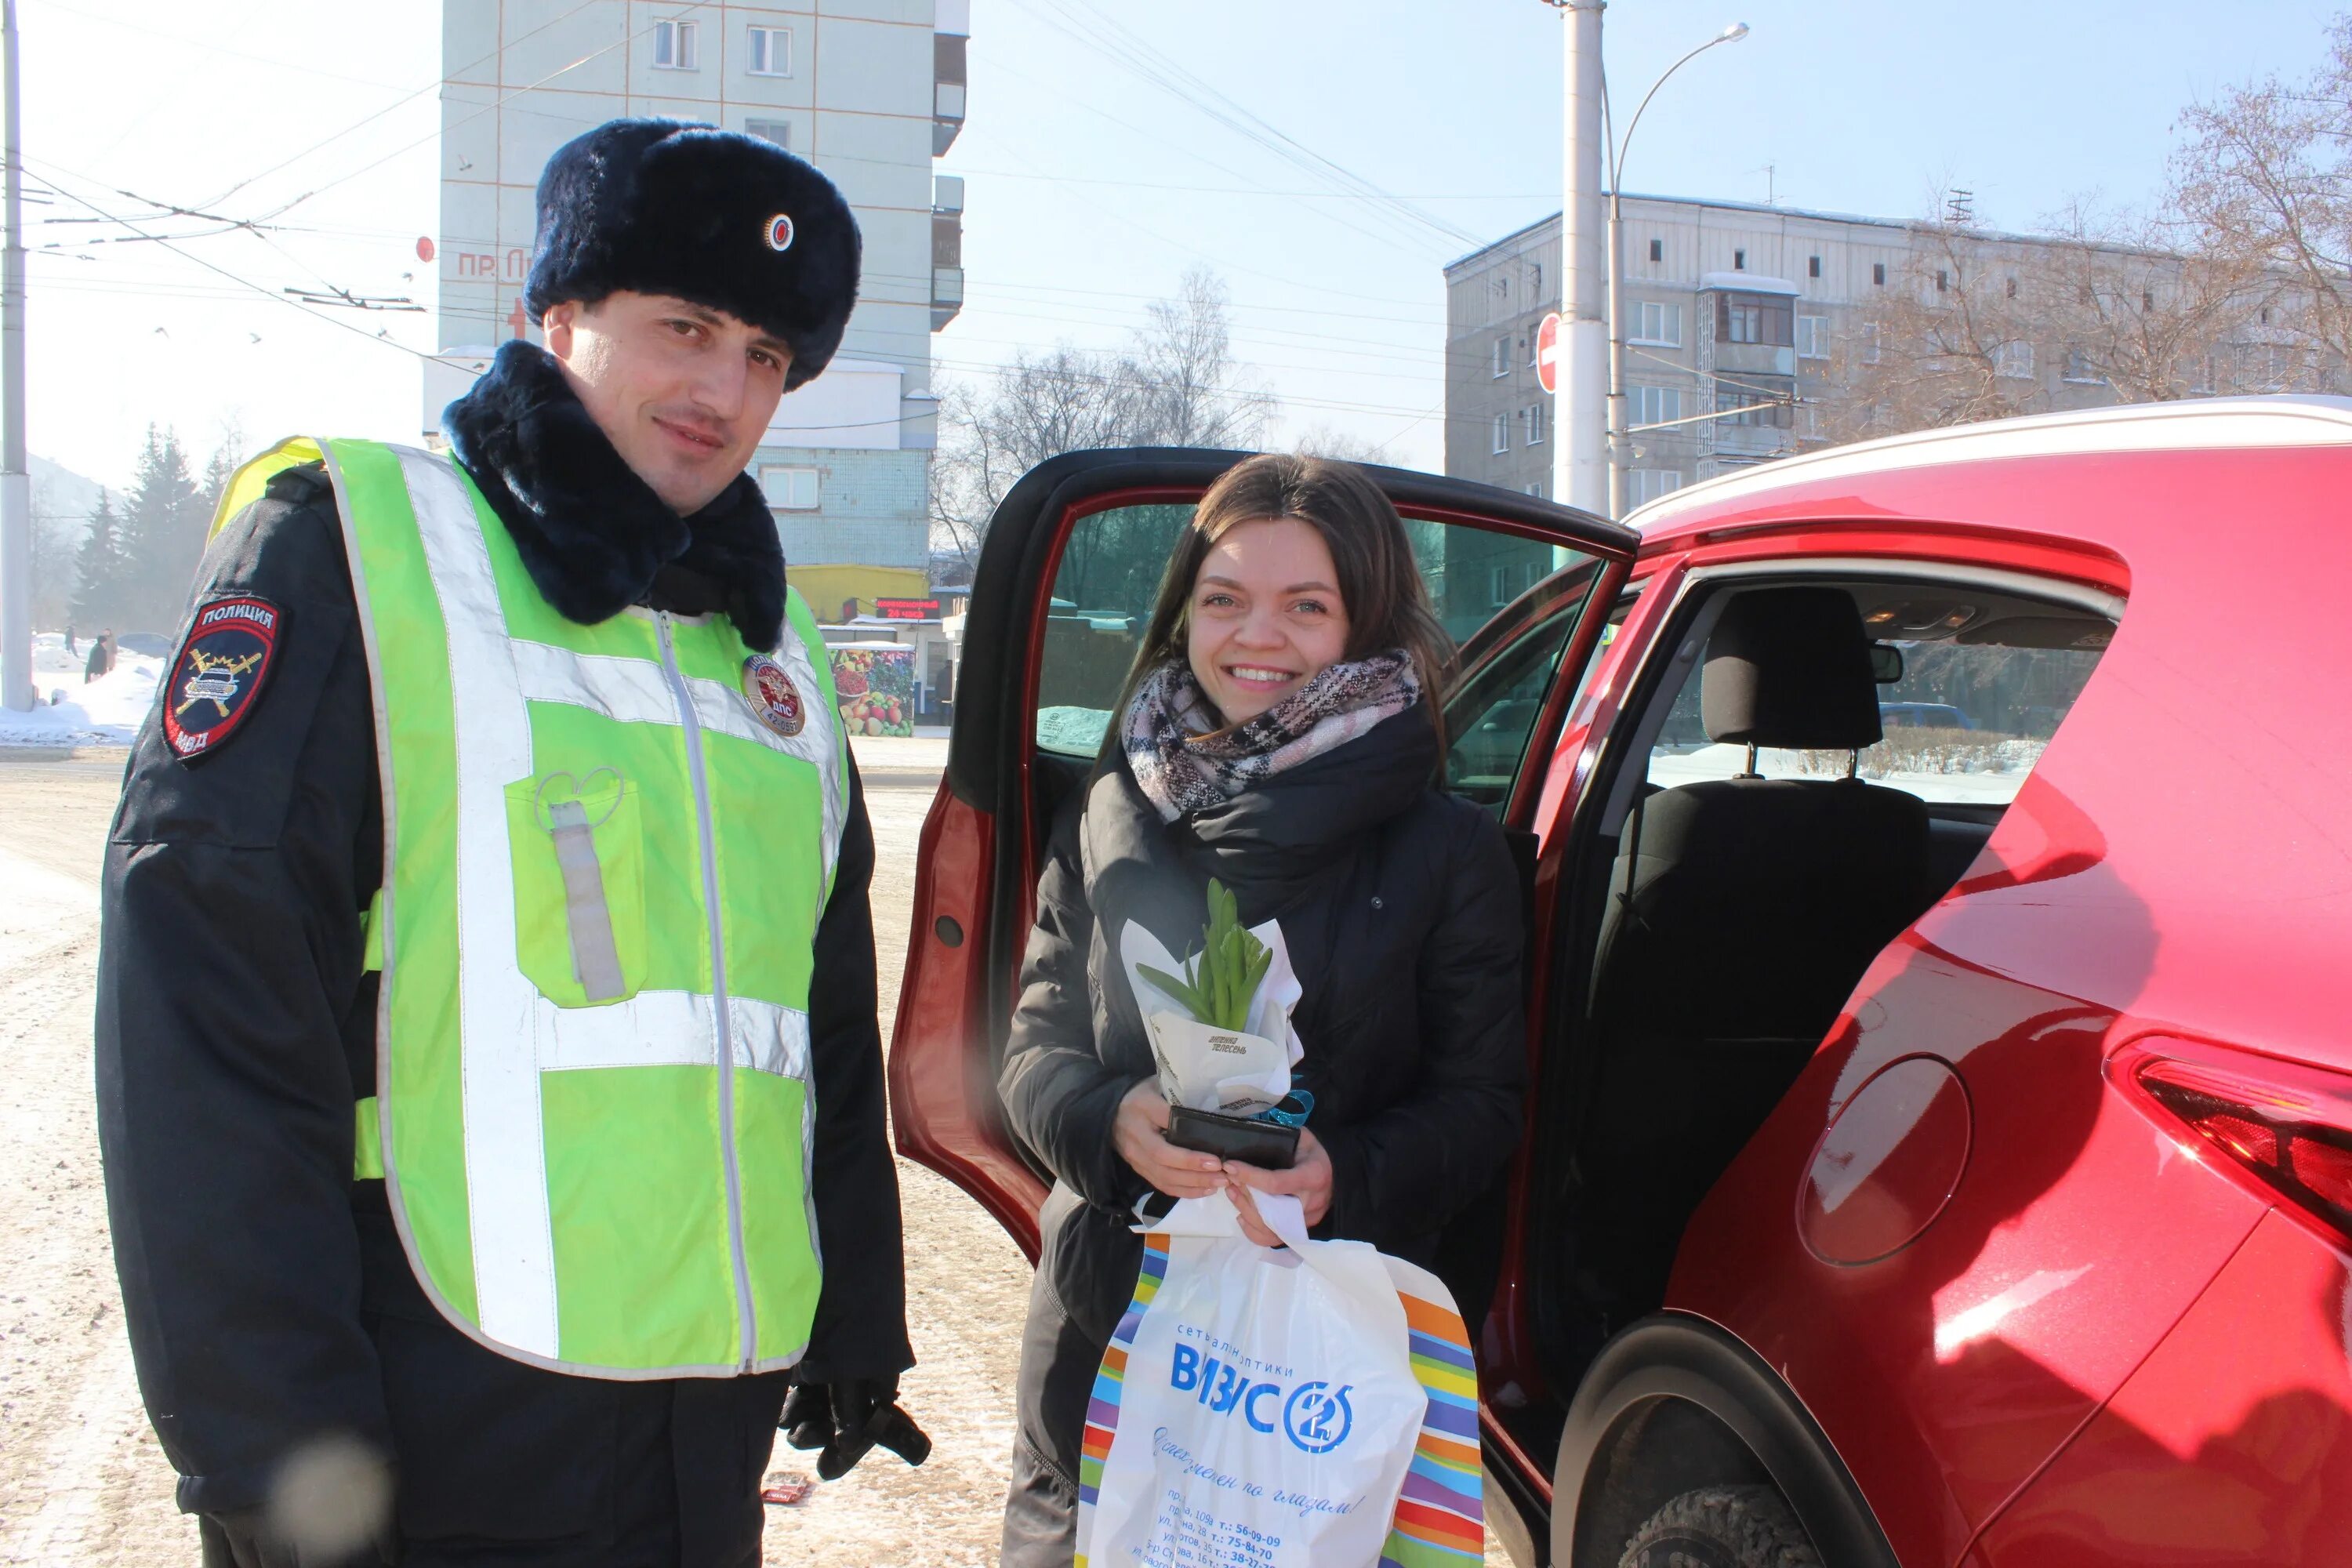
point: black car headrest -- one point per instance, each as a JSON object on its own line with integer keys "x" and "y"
{"x": 1790, "y": 667}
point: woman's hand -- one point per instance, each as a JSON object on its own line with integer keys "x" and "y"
{"x": 1308, "y": 1180}
{"x": 1138, "y": 1133}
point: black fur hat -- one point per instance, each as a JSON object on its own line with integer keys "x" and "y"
{"x": 731, "y": 222}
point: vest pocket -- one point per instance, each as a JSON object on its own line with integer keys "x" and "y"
{"x": 578, "y": 849}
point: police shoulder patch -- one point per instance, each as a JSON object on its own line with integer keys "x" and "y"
{"x": 217, "y": 675}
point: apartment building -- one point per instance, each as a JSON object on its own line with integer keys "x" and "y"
{"x": 871, "y": 91}
{"x": 1739, "y": 312}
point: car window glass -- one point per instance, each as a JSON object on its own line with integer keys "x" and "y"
{"x": 1510, "y": 602}
{"x": 1963, "y": 727}
{"x": 1507, "y": 669}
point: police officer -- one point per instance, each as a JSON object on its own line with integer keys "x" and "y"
{"x": 489, "y": 1078}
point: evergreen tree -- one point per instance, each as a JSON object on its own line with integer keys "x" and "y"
{"x": 162, "y": 535}
{"x": 100, "y": 569}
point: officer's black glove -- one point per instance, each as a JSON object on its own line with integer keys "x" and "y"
{"x": 845, "y": 1419}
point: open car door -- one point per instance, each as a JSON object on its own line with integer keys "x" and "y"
{"x": 1072, "y": 562}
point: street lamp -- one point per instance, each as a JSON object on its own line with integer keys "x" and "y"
{"x": 1620, "y": 446}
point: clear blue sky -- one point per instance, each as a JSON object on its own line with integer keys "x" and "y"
{"x": 1091, "y": 184}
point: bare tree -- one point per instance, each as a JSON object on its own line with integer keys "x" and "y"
{"x": 1177, "y": 384}
{"x": 2098, "y": 309}
{"x": 2265, "y": 175}
{"x": 1953, "y": 343}
{"x": 1322, "y": 441}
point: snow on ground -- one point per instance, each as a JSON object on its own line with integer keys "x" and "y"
{"x": 106, "y": 712}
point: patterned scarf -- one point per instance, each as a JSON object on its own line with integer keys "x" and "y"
{"x": 1184, "y": 764}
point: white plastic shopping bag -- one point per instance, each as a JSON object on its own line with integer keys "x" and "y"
{"x": 1307, "y": 1407}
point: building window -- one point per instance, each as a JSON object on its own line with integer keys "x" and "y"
{"x": 1535, "y": 424}
{"x": 2012, "y": 288}
{"x": 1739, "y": 261}
{"x": 1812, "y": 337}
{"x": 1535, "y": 490}
{"x": 1535, "y": 280}
{"x": 1658, "y": 250}
{"x": 772, "y": 51}
{"x": 1654, "y": 404}
{"x": 1943, "y": 281}
{"x": 1742, "y": 403}
{"x": 1765, "y": 319}
{"x": 1813, "y": 267}
{"x": 789, "y": 489}
{"x": 675, "y": 48}
{"x": 779, "y": 131}
{"x": 1878, "y": 273}
{"x": 1870, "y": 342}
{"x": 2014, "y": 360}
{"x": 1502, "y": 365}
{"x": 2078, "y": 365}
{"x": 1657, "y": 324}
{"x": 1643, "y": 486}
{"x": 1500, "y": 434}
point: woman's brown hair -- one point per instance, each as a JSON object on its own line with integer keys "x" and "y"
{"x": 1380, "y": 582}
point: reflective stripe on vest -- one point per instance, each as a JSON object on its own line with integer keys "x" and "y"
{"x": 616, "y": 1188}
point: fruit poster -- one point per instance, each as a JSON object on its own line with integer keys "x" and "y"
{"x": 876, "y": 686}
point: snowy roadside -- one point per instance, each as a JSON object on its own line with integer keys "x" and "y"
{"x": 107, "y": 711}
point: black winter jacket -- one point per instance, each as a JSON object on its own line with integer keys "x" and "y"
{"x": 236, "y": 1027}
{"x": 1400, "y": 910}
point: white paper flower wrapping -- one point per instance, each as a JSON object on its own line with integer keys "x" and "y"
{"x": 1205, "y": 1067}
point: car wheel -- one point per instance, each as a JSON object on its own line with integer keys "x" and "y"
{"x": 1722, "y": 1527}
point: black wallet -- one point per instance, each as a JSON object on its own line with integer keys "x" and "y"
{"x": 1267, "y": 1145}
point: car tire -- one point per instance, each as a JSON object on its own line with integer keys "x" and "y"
{"x": 1722, "y": 1527}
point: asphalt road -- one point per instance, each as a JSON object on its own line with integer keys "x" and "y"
{"x": 82, "y": 1480}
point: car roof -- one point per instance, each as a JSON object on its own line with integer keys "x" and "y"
{"x": 2242, "y": 423}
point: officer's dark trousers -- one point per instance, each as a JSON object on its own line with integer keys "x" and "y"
{"x": 505, "y": 1466}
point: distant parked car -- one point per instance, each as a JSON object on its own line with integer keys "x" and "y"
{"x": 1922, "y": 716}
{"x": 1948, "y": 1172}
{"x": 155, "y": 645}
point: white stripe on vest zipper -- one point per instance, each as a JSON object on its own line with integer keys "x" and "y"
{"x": 724, "y": 1040}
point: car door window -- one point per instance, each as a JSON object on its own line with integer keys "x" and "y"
{"x": 1963, "y": 726}
{"x": 1510, "y": 603}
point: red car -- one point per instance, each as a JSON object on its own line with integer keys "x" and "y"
{"x": 1940, "y": 1151}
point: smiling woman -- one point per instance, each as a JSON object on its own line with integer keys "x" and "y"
{"x": 1278, "y": 730}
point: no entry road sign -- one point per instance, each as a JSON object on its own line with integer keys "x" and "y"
{"x": 1548, "y": 353}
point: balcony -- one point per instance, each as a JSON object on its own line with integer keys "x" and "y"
{"x": 947, "y": 295}
{"x": 950, "y": 45}
{"x": 947, "y": 249}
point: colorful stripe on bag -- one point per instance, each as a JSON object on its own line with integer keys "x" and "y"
{"x": 1102, "y": 1407}
{"x": 1440, "y": 1516}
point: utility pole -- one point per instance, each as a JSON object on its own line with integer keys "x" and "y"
{"x": 1580, "y": 455}
{"x": 15, "y": 481}
{"x": 1619, "y": 431}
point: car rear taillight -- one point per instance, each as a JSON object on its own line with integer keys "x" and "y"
{"x": 2288, "y": 1124}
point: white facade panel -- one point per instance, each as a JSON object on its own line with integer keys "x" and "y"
{"x": 586, "y": 52}
{"x": 878, "y": 67}
{"x": 854, "y": 403}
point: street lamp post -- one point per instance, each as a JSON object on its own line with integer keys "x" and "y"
{"x": 1620, "y": 446}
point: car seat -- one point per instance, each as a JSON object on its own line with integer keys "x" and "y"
{"x": 1741, "y": 913}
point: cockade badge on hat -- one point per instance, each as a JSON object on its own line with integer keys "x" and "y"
{"x": 772, "y": 696}
{"x": 780, "y": 232}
